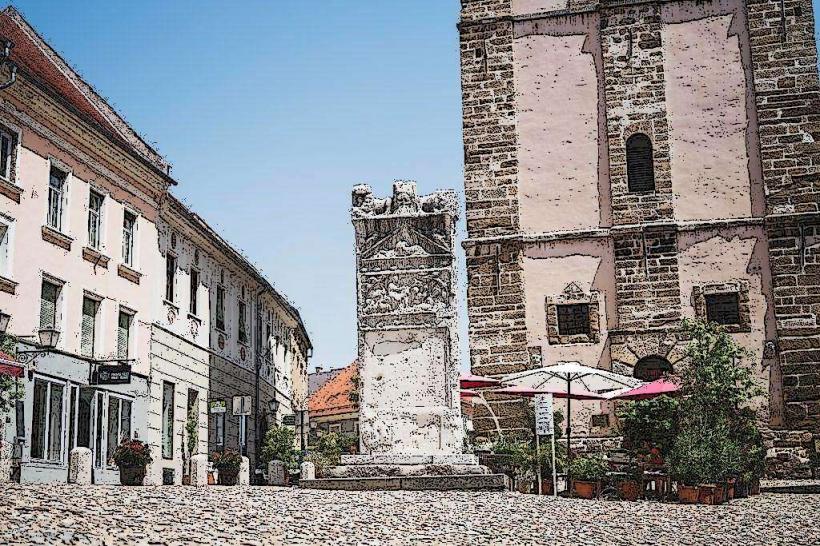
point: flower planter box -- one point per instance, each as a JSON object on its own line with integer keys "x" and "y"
{"x": 228, "y": 476}
{"x": 688, "y": 494}
{"x": 584, "y": 489}
{"x": 629, "y": 490}
{"x": 711, "y": 494}
{"x": 132, "y": 475}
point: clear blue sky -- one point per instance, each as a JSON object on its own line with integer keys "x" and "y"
{"x": 270, "y": 111}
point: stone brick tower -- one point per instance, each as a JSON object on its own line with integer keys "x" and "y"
{"x": 630, "y": 163}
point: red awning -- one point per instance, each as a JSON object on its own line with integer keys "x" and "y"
{"x": 8, "y": 368}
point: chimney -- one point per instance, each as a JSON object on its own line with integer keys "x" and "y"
{"x": 319, "y": 369}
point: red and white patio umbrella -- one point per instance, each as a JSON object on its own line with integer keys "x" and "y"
{"x": 470, "y": 381}
{"x": 646, "y": 391}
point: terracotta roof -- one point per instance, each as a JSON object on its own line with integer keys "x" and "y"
{"x": 333, "y": 398}
{"x": 40, "y": 61}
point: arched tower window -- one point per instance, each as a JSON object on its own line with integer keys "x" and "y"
{"x": 651, "y": 368}
{"x": 640, "y": 167}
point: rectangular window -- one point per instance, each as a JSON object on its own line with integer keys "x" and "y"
{"x": 56, "y": 189}
{"x": 167, "y": 420}
{"x": 219, "y": 427}
{"x": 49, "y": 293}
{"x": 243, "y": 326}
{"x": 119, "y": 425}
{"x": 47, "y": 421}
{"x": 126, "y": 319}
{"x": 129, "y": 222}
{"x": 88, "y": 328}
{"x": 95, "y": 202}
{"x": 220, "y": 308}
{"x": 4, "y": 250}
{"x": 170, "y": 274}
{"x": 573, "y": 319}
{"x": 723, "y": 308}
{"x": 8, "y": 142}
{"x": 194, "y": 291}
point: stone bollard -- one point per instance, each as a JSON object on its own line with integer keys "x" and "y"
{"x": 5, "y": 460}
{"x": 79, "y": 466}
{"x": 244, "y": 472}
{"x": 199, "y": 470}
{"x": 308, "y": 471}
{"x": 276, "y": 473}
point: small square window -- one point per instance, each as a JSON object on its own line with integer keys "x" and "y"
{"x": 573, "y": 319}
{"x": 723, "y": 308}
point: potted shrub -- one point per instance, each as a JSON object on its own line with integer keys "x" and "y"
{"x": 279, "y": 445}
{"x": 587, "y": 473}
{"x": 630, "y": 487}
{"x": 132, "y": 456}
{"x": 227, "y": 465}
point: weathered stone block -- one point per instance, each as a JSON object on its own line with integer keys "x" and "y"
{"x": 79, "y": 466}
{"x": 199, "y": 470}
{"x": 277, "y": 473}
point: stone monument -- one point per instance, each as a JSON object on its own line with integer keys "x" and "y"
{"x": 410, "y": 426}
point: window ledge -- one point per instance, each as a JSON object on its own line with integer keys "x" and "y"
{"x": 57, "y": 238}
{"x": 95, "y": 257}
{"x": 129, "y": 273}
{"x": 170, "y": 304}
{"x": 7, "y": 285}
{"x": 194, "y": 318}
{"x": 10, "y": 189}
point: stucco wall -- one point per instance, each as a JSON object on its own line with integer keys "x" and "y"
{"x": 709, "y": 161}
{"x": 185, "y": 365}
{"x": 557, "y": 107}
{"x": 731, "y": 255}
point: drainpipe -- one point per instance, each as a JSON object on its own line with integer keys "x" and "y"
{"x": 257, "y": 351}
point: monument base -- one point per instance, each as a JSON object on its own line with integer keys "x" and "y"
{"x": 412, "y": 472}
{"x": 469, "y": 482}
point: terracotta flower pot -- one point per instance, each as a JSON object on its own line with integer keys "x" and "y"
{"x": 546, "y": 487}
{"x": 228, "y": 476}
{"x": 711, "y": 494}
{"x": 688, "y": 494}
{"x": 132, "y": 475}
{"x": 629, "y": 490}
{"x": 585, "y": 489}
{"x": 211, "y": 478}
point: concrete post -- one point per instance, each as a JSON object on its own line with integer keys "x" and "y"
{"x": 199, "y": 470}
{"x": 79, "y": 466}
{"x": 245, "y": 472}
{"x": 276, "y": 473}
{"x": 308, "y": 471}
{"x": 5, "y": 458}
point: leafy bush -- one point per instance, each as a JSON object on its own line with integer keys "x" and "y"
{"x": 718, "y": 435}
{"x": 132, "y": 453}
{"x": 279, "y": 446}
{"x": 588, "y": 469}
{"x": 227, "y": 460}
{"x": 11, "y": 389}
{"x": 648, "y": 424}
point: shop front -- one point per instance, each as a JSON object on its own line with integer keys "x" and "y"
{"x": 72, "y": 402}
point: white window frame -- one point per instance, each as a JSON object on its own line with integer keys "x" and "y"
{"x": 107, "y": 404}
{"x": 6, "y": 246}
{"x": 97, "y": 218}
{"x": 58, "y": 304}
{"x": 219, "y": 430}
{"x": 223, "y": 327}
{"x": 129, "y": 239}
{"x": 47, "y": 433}
{"x": 173, "y": 256}
{"x": 96, "y": 340}
{"x": 13, "y": 152}
{"x": 131, "y": 331}
{"x": 243, "y": 433}
{"x": 62, "y": 219}
{"x": 242, "y": 317}
{"x": 193, "y": 292}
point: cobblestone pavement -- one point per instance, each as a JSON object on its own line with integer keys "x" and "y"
{"x": 63, "y": 514}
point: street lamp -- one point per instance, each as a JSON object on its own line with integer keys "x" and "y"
{"x": 48, "y": 337}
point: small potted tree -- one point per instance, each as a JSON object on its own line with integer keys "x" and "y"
{"x": 630, "y": 485}
{"x": 587, "y": 473}
{"x": 132, "y": 457}
{"x": 227, "y": 465}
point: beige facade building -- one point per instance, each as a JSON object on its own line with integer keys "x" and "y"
{"x": 94, "y": 248}
{"x": 630, "y": 164}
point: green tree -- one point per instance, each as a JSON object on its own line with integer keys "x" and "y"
{"x": 279, "y": 446}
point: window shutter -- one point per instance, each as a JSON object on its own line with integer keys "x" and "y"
{"x": 640, "y": 168}
{"x": 87, "y": 330}
{"x": 123, "y": 333}
{"x": 48, "y": 305}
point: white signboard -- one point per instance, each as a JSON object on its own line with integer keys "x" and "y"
{"x": 218, "y": 406}
{"x": 543, "y": 415}
{"x": 241, "y": 405}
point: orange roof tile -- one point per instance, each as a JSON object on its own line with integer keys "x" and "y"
{"x": 333, "y": 398}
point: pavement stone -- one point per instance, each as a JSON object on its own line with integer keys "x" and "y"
{"x": 180, "y": 515}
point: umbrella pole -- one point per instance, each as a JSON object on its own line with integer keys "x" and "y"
{"x": 569, "y": 433}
